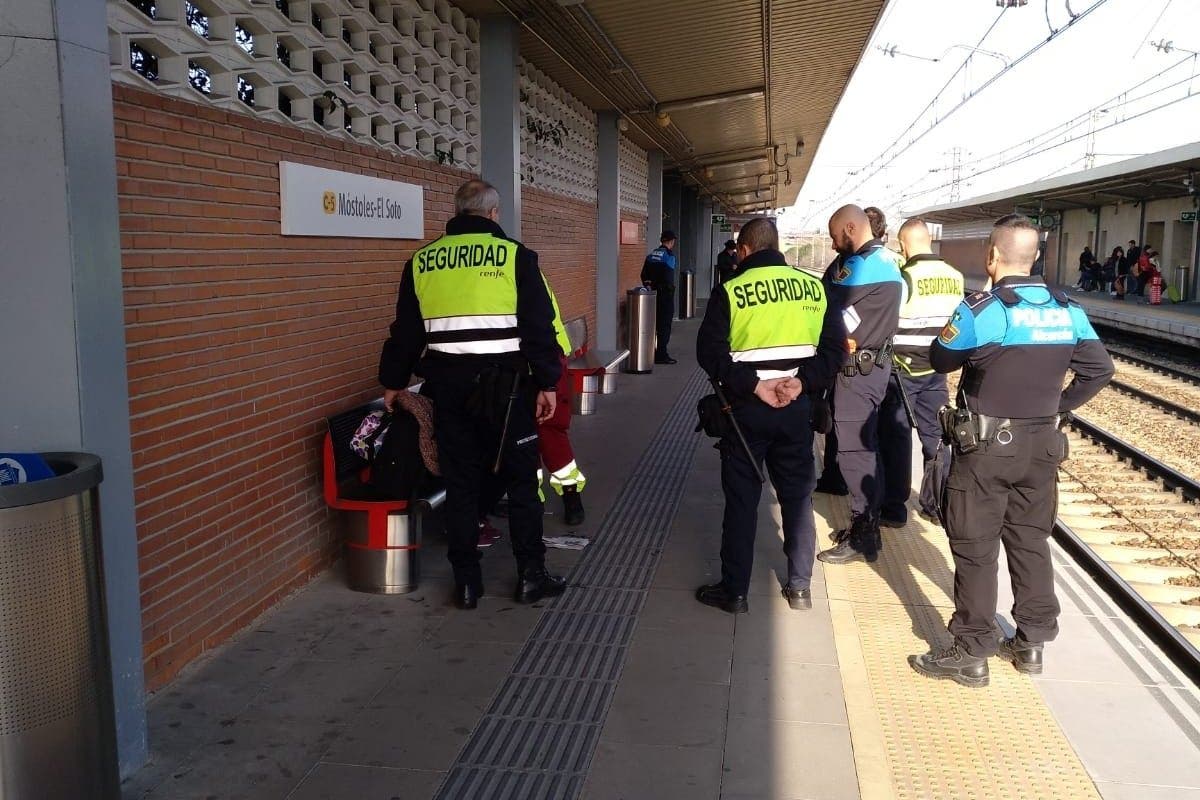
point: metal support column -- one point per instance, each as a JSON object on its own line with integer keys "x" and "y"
{"x": 65, "y": 385}
{"x": 654, "y": 198}
{"x": 705, "y": 257}
{"x": 500, "y": 115}
{"x": 608, "y": 233}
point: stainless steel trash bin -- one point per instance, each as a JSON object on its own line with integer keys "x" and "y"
{"x": 687, "y": 295}
{"x": 390, "y": 564}
{"x": 57, "y": 734}
{"x": 640, "y": 318}
{"x": 583, "y": 402}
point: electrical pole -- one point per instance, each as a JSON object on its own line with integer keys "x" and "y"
{"x": 955, "y": 174}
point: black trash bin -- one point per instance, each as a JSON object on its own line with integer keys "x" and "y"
{"x": 57, "y": 735}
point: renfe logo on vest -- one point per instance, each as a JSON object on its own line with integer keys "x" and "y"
{"x": 777, "y": 290}
{"x": 464, "y": 256}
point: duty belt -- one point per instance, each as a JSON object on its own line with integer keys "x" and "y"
{"x": 861, "y": 362}
{"x": 967, "y": 430}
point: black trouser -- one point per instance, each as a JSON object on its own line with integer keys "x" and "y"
{"x": 926, "y": 394}
{"x": 831, "y": 475}
{"x": 856, "y": 404}
{"x": 467, "y": 441}
{"x": 783, "y": 438}
{"x": 664, "y": 312}
{"x": 1004, "y": 493}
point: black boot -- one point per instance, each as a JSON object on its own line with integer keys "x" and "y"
{"x": 466, "y": 595}
{"x": 1025, "y": 656}
{"x": 830, "y": 486}
{"x": 953, "y": 664}
{"x": 860, "y": 542}
{"x": 718, "y": 596}
{"x": 798, "y": 599}
{"x": 534, "y": 583}
{"x": 572, "y": 506}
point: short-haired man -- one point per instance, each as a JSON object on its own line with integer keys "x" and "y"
{"x": 933, "y": 290}
{"x": 474, "y": 302}
{"x": 1015, "y": 345}
{"x": 658, "y": 273}
{"x": 772, "y": 339}
{"x": 727, "y": 262}
{"x": 879, "y": 230}
{"x": 867, "y": 288}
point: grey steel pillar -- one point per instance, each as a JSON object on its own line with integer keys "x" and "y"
{"x": 687, "y": 228}
{"x": 672, "y": 203}
{"x": 608, "y": 233}
{"x": 500, "y": 115}
{"x": 705, "y": 257}
{"x": 64, "y": 385}
{"x": 654, "y": 198}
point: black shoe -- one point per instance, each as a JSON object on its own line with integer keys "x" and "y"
{"x": 861, "y": 541}
{"x": 953, "y": 664}
{"x": 1025, "y": 656}
{"x": 665, "y": 360}
{"x": 798, "y": 599}
{"x": 929, "y": 516}
{"x": 466, "y": 595}
{"x": 717, "y": 596}
{"x": 572, "y": 506}
{"x": 534, "y": 583}
{"x": 829, "y": 487}
{"x": 844, "y": 553}
{"x": 892, "y": 523}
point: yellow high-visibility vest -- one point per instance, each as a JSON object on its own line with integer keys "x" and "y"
{"x": 775, "y": 317}
{"x": 466, "y": 286}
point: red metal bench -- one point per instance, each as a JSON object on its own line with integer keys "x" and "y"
{"x": 383, "y": 536}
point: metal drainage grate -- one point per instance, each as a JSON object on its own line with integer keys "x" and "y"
{"x": 537, "y": 738}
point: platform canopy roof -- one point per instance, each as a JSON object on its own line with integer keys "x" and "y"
{"x": 747, "y": 87}
{"x": 1162, "y": 175}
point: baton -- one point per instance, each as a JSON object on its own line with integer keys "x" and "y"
{"x": 512, "y": 398}
{"x": 908, "y": 412}
{"x": 727, "y": 410}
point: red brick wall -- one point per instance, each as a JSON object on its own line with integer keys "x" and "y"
{"x": 563, "y": 232}
{"x": 240, "y": 343}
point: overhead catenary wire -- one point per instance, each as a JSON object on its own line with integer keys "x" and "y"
{"x": 1052, "y": 146}
{"x": 873, "y": 168}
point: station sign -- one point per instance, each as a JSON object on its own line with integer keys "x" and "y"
{"x": 314, "y": 201}
{"x": 726, "y": 227}
{"x": 718, "y": 219}
{"x": 1187, "y": 216}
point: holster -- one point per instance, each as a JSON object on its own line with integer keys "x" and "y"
{"x": 712, "y": 417}
{"x": 862, "y": 362}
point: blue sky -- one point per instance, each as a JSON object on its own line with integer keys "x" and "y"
{"x": 1096, "y": 62}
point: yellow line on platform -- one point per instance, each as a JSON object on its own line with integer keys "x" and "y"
{"x": 920, "y": 739}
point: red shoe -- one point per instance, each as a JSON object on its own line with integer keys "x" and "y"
{"x": 488, "y": 534}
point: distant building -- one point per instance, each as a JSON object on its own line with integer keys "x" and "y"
{"x": 1151, "y": 199}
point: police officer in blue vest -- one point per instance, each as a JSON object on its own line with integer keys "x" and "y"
{"x": 867, "y": 288}
{"x": 773, "y": 340}
{"x": 658, "y": 273}
{"x": 1015, "y": 345}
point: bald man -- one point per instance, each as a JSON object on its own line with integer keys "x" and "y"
{"x": 1015, "y": 345}
{"x": 867, "y": 288}
{"x": 933, "y": 291}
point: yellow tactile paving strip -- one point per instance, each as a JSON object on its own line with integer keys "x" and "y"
{"x": 941, "y": 740}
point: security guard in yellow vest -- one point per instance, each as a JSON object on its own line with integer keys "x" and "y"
{"x": 772, "y": 339}
{"x": 475, "y": 303}
{"x": 933, "y": 291}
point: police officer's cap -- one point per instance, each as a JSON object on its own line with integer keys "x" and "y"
{"x": 667, "y": 236}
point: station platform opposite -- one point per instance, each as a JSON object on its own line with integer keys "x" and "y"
{"x": 1177, "y": 322}
{"x": 626, "y": 688}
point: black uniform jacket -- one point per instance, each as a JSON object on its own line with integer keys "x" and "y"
{"x": 535, "y": 324}
{"x": 712, "y": 343}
